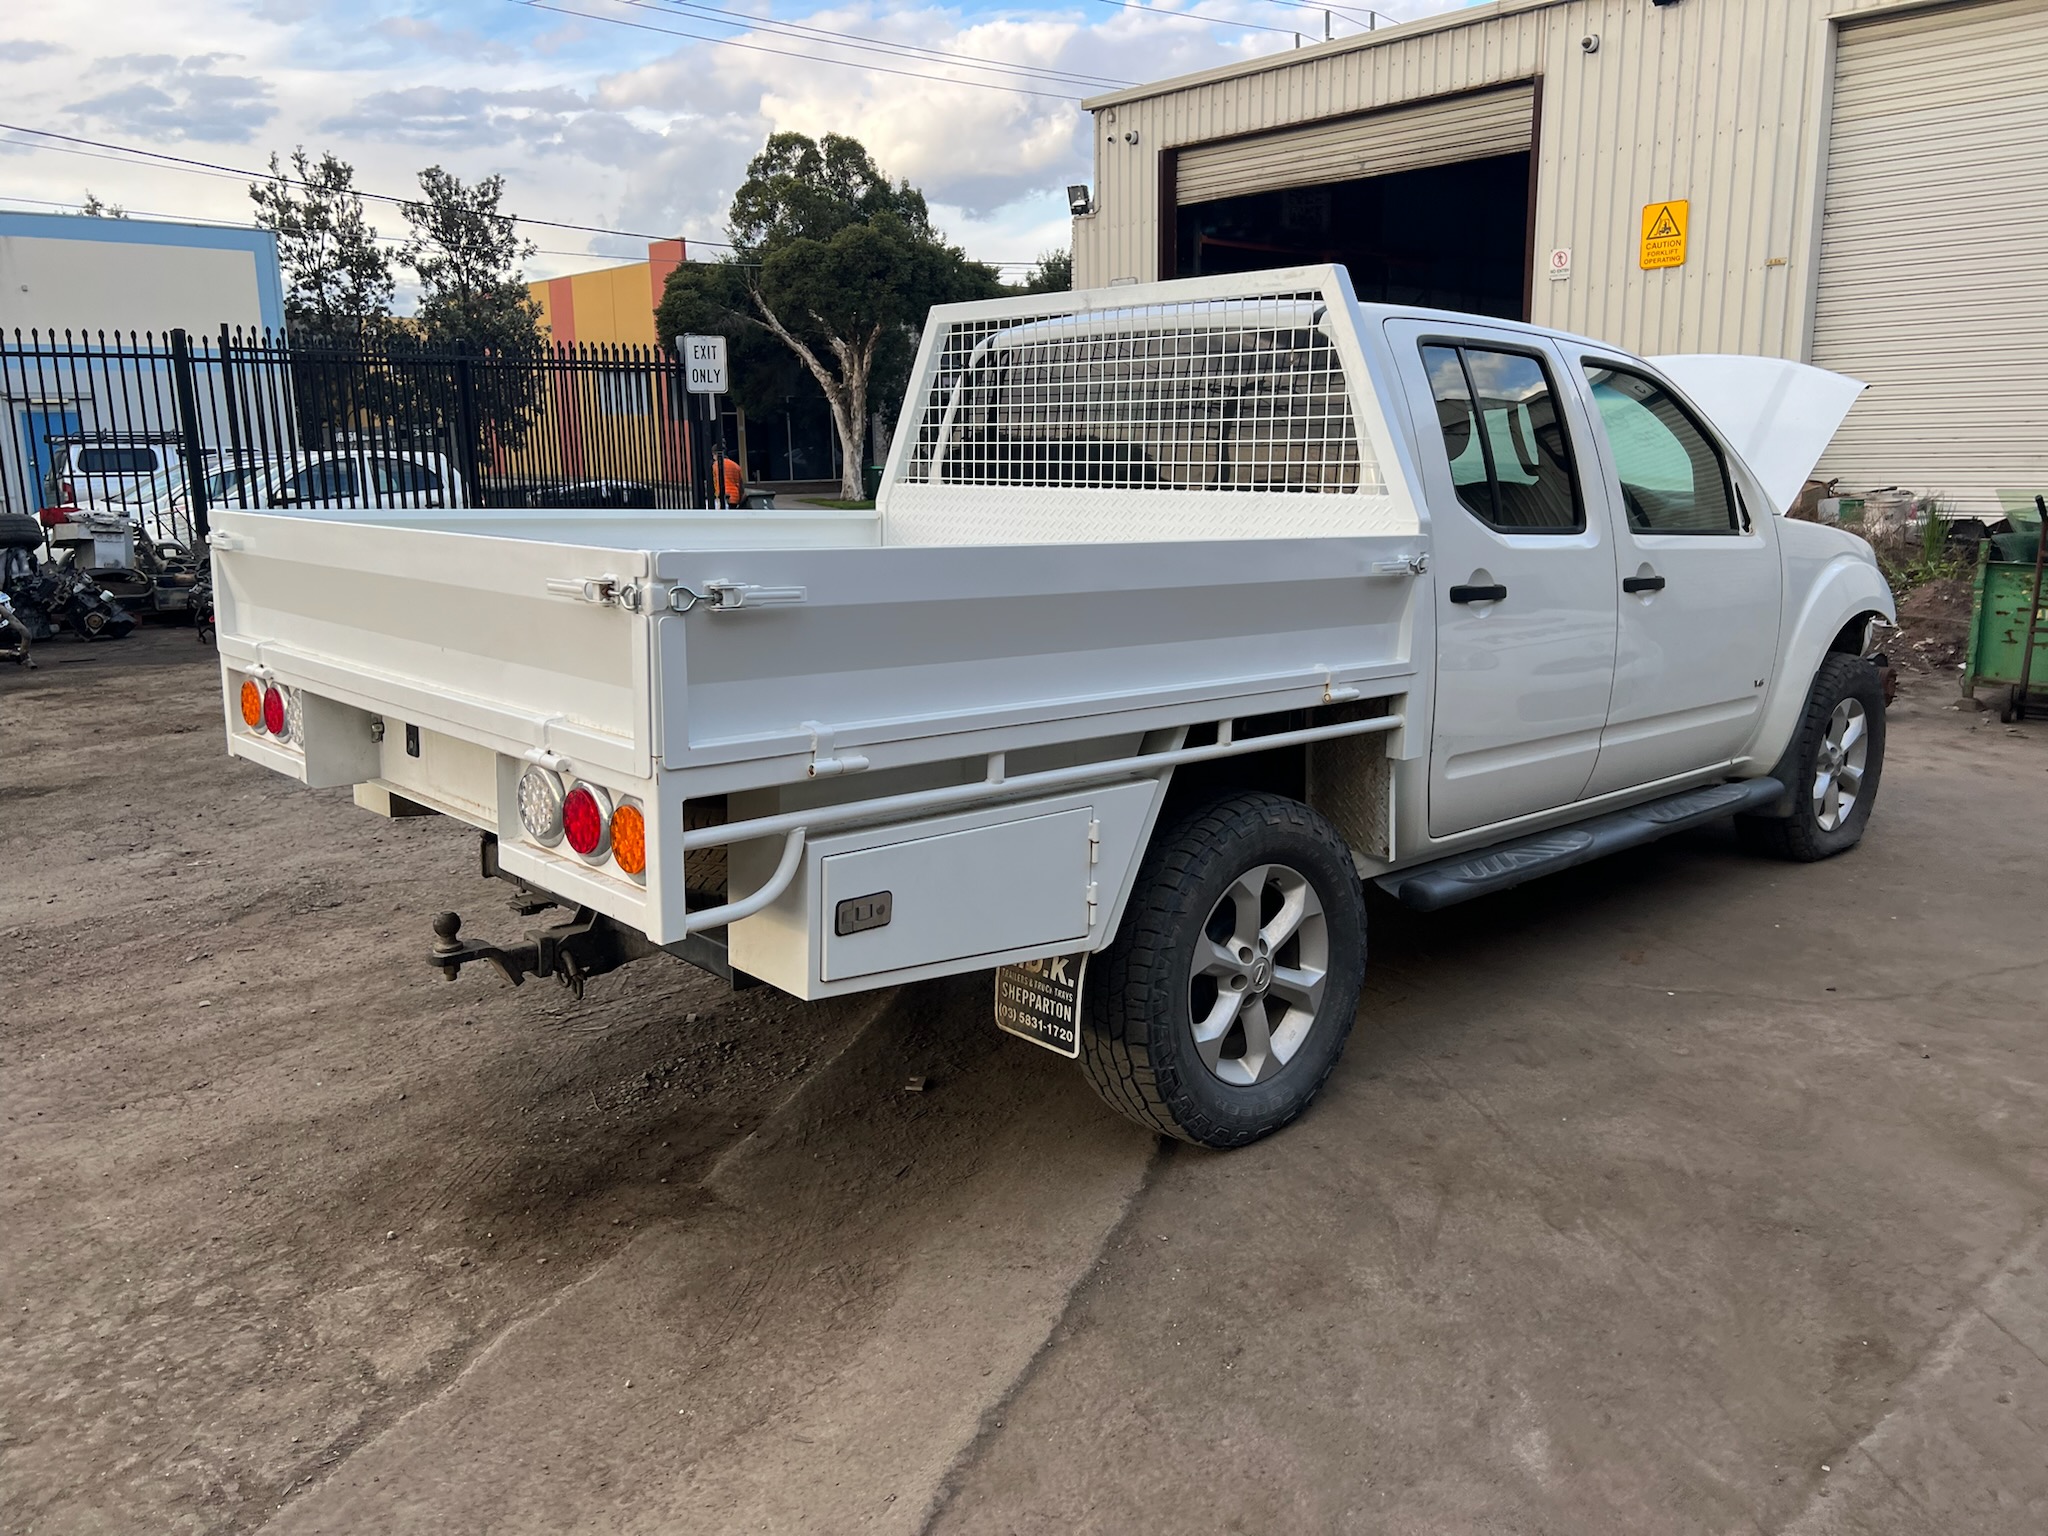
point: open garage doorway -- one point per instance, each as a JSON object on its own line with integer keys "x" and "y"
{"x": 1447, "y": 236}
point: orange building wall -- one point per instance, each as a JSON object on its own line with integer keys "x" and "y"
{"x": 612, "y": 306}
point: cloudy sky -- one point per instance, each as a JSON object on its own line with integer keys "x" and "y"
{"x": 634, "y": 115}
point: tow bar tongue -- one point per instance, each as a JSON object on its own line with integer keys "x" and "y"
{"x": 589, "y": 944}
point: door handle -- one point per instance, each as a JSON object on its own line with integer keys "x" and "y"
{"x": 1642, "y": 583}
{"x": 1493, "y": 594}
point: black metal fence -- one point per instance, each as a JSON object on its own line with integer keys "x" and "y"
{"x": 163, "y": 428}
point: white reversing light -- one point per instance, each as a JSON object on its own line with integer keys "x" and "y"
{"x": 540, "y": 804}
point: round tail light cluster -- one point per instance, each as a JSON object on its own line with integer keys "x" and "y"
{"x": 269, "y": 709}
{"x": 587, "y": 820}
{"x": 585, "y": 817}
{"x": 540, "y": 804}
{"x": 629, "y": 839}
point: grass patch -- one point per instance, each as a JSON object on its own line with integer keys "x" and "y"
{"x": 841, "y": 506}
{"x": 1922, "y": 555}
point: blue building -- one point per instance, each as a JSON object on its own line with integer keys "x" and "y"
{"x": 118, "y": 287}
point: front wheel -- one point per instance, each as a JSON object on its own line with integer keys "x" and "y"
{"x": 1224, "y": 1001}
{"x": 1836, "y": 760}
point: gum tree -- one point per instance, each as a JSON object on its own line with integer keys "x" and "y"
{"x": 833, "y": 267}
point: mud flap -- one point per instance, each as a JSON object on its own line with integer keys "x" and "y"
{"x": 1040, "y": 1001}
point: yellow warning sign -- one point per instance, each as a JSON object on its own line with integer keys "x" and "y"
{"x": 1664, "y": 234}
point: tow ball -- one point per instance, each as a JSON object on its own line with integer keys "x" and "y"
{"x": 589, "y": 944}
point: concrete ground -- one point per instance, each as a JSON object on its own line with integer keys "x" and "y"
{"x": 1681, "y": 1193}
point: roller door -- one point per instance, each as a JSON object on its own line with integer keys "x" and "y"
{"x": 1351, "y": 148}
{"x": 1933, "y": 280}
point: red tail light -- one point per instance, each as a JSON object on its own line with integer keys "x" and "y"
{"x": 587, "y": 820}
{"x": 273, "y": 710}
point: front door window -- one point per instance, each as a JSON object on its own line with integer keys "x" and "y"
{"x": 1672, "y": 477}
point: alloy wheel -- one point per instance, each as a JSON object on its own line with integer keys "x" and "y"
{"x": 1255, "y": 983}
{"x": 1838, "y": 768}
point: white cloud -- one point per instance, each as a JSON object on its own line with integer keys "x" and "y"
{"x": 589, "y": 122}
{"x": 163, "y": 97}
{"x": 457, "y": 42}
{"x": 458, "y": 117}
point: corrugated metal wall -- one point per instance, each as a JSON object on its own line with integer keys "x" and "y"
{"x": 1378, "y": 144}
{"x": 1721, "y": 102}
{"x": 1934, "y": 252}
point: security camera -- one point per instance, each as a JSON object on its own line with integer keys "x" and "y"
{"x": 1078, "y": 200}
{"x": 1590, "y": 42}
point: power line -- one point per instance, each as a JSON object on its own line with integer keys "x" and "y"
{"x": 194, "y": 218}
{"x": 213, "y": 168}
{"x": 884, "y": 45}
{"x": 785, "y": 53}
{"x": 1348, "y": 12}
{"x": 1197, "y": 16}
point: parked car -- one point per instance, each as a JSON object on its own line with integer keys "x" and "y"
{"x": 1185, "y": 608}
{"x": 627, "y": 495}
{"x": 357, "y": 478}
{"x": 352, "y": 478}
{"x": 88, "y": 472}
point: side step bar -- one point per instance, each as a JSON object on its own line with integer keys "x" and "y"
{"x": 1447, "y": 882}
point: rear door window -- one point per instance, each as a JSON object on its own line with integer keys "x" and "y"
{"x": 405, "y": 475}
{"x": 334, "y": 480}
{"x": 1510, "y": 456}
{"x": 1673, "y": 478}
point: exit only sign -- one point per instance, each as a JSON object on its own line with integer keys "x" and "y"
{"x": 703, "y": 363}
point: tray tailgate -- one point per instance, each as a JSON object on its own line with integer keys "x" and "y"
{"x": 450, "y": 628}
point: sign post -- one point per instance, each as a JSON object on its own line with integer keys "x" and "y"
{"x": 704, "y": 374}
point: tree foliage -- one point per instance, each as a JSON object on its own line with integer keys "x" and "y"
{"x": 466, "y": 254}
{"x": 833, "y": 267}
{"x": 338, "y": 284}
{"x": 94, "y": 208}
{"x": 1054, "y": 273}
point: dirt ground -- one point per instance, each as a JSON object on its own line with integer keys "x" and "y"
{"x": 1934, "y": 627}
{"x": 1681, "y": 1193}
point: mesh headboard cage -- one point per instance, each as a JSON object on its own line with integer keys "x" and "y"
{"x": 1188, "y": 412}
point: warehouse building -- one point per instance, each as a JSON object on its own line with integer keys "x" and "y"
{"x": 116, "y": 287}
{"x": 1860, "y": 184}
{"x": 67, "y": 272}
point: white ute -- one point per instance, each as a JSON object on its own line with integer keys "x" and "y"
{"x": 1185, "y": 610}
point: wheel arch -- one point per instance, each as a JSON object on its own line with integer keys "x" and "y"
{"x": 1844, "y": 595}
{"x": 1189, "y": 788}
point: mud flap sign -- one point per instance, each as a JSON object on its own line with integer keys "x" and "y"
{"x": 1040, "y": 1001}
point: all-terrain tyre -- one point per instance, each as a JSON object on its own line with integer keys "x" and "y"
{"x": 1226, "y": 997}
{"x": 1832, "y": 767}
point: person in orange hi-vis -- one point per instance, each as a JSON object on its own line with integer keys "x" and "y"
{"x": 732, "y": 482}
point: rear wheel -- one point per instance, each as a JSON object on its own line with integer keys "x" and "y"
{"x": 1225, "y": 999}
{"x": 1836, "y": 761}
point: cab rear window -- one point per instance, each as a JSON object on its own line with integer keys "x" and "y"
{"x": 117, "y": 461}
